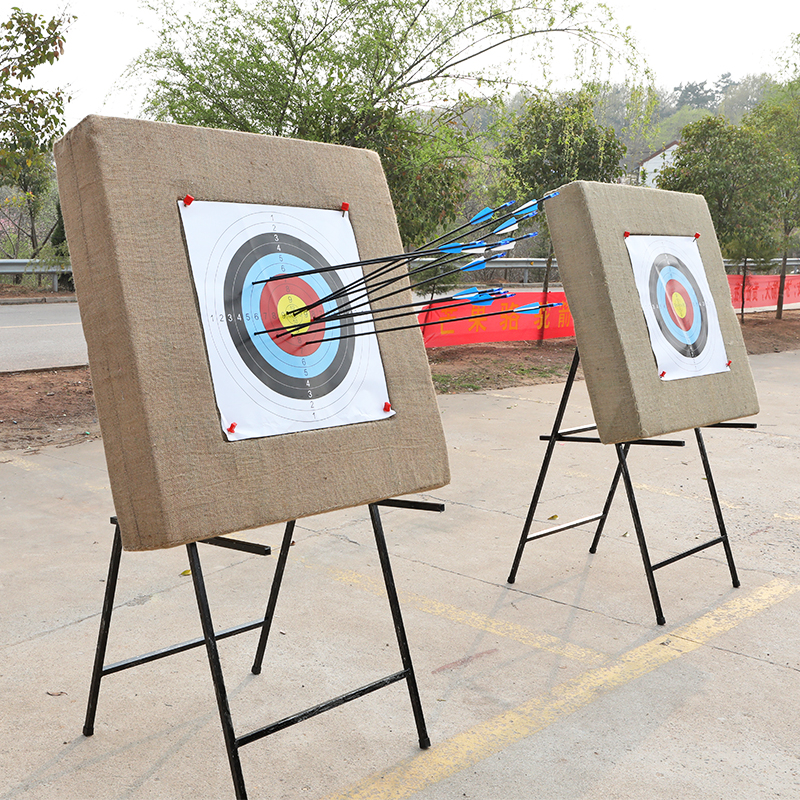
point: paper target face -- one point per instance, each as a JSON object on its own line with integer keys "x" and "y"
{"x": 678, "y": 307}
{"x": 280, "y": 361}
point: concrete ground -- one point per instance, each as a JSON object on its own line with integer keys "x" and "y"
{"x": 560, "y": 686}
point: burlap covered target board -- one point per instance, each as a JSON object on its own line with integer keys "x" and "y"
{"x": 660, "y": 345}
{"x": 211, "y": 423}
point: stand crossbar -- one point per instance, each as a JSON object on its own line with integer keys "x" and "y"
{"x": 211, "y": 637}
{"x": 558, "y": 434}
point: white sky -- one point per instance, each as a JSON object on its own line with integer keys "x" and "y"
{"x": 683, "y": 40}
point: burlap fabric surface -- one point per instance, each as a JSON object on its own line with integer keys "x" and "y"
{"x": 588, "y": 222}
{"x": 173, "y": 477}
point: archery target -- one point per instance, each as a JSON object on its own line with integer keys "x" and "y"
{"x": 678, "y": 307}
{"x": 281, "y": 362}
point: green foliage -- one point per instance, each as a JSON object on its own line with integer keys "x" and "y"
{"x": 30, "y": 118}
{"x": 778, "y": 118}
{"x": 669, "y": 128}
{"x": 744, "y": 96}
{"x": 632, "y": 110}
{"x": 738, "y": 171}
{"x": 390, "y": 75}
{"x": 556, "y": 140}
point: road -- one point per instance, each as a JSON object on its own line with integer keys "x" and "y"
{"x": 41, "y": 335}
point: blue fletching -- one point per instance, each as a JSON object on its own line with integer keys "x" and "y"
{"x": 453, "y": 247}
{"x": 483, "y": 300}
{"x": 508, "y": 225}
{"x": 478, "y": 263}
{"x": 465, "y": 292}
{"x": 529, "y": 206}
{"x": 551, "y": 194}
{"x": 533, "y": 308}
{"x": 482, "y": 216}
{"x": 528, "y": 214}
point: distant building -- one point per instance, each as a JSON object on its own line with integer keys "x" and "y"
{"x": 649, "y": 168}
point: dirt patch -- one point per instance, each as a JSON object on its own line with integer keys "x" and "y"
{"x": 57, "y": 406}
{"x": 46, "y": 407}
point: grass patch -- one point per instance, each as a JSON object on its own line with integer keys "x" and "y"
{"x": 453, "y": 384}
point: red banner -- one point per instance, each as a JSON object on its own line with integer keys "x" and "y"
{"x": 446, "y": 328}
{"x": 761, "y": 291}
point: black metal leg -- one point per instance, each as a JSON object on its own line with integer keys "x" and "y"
{"x": 102, "y": 637}
{"x": 545, "y": 465}
{"x": 397, "y": 617}
{"x": 607, "y": 507}
{"x": 216, "y": 672}
{"x": 717, "y": 508}
{"x": 637, "y": 524}
{"x": 273, "y": 597}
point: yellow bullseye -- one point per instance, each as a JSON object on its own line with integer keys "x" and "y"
{"x": 679, "y": 304}
{"x": 286, "y": 305}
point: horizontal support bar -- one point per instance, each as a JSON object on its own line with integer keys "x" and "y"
{"x": 732, "y": 425}
{"x": 238, "y": 544}
{"x": 579, "y": 429}
{"x": 565, "y": 527}
{"x": 321, "y": 708}
{"x": 659, "y": 442}
{"x": 178, "y": 648}
{"x": 560, "y": 437}
{"x": 419, "y": 505}
{"x": 691, "y": 552}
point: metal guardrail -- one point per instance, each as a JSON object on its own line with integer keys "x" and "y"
{"x": 534, "y": 267}
{"x": 34, "y": 266}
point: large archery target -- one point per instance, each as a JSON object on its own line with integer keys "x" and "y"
{"x": 247, "y": 263}
{"x": 678, "y": 306}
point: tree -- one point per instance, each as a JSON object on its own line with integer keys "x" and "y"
{"x": 738, "y": 171}
{"x": 392, "y": 75}
{"x": 744, "y": 96}
{"x": 556, "y": 140}
{"x": 778, "y": 117}
{"x": 30, "y": 118}
{"x": 21, "y": 234}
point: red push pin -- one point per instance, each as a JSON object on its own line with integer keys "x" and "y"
{"x": 232, "y": 427}
{"x": 697, "y": 236}
{"x": 188, "y": 200}
{"x": 345, "y": 208}
{"x": 387, "y": 407}
{"x": 662, "y": 374}
{"x": 626, "y": 234}
{"x": 729, "y": 363}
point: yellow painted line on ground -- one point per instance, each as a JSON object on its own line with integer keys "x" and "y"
{"x": 684, "y": 495}
{"x": 488, "y": 738}
{"x": 658, "y": 490}
{"x": 789, "y": 517}
{"x": 38, "y": 467}
{"x": 481, "y": 622}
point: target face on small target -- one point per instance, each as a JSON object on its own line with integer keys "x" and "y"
{"x": 678, "y": 306}
{"x": 279, "y": 361}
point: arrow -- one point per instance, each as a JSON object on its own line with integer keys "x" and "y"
{"x": 424, "y": 324}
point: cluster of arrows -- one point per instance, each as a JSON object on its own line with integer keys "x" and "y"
{"x": 312, "y": 319}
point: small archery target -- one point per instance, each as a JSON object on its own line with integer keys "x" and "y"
{"x": 279, "y": 324}
{"x": 678, "y": 306}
